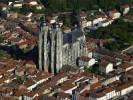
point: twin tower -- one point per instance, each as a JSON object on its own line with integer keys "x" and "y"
{"x": 57, "y": 48}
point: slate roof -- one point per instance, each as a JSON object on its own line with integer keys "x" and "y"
{"x": 72, "y": 36}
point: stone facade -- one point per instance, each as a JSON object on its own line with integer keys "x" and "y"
{"x": 57, "y": 48}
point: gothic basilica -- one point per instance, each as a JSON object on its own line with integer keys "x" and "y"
{"x": 57, "y": 48}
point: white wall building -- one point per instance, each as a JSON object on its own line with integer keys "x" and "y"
{"x": 105, "y": 23}
{"x": 105, "y": 67}
{"x": 114, "y": 14}
{"x": 18, "y": 4}
{"x": 127, "y": 89}
{"x": 126, "y": 9}
{"x": 86, "y": 61}
{"x": 34, "y": 3}
{"x": 125, "y": 67}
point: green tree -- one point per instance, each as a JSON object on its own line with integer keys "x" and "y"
{"x": 4, "y": 54}
{"x": 66, "y": 20}
{"x": 1, "y": 39}
{"x": 120, "y": 31}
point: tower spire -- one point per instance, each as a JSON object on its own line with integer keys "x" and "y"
{"x": 58, "y": 48}
{"x": 43, "y": 64}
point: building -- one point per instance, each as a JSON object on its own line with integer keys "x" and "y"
{"x": 126, "y": 9}
{"x": 18, "y": 4}
{"x": 86, "y": 61}
{"x": 57, "y": 48}
{"x": 106, "y": 22}
{"x": 102, "y": 94}
{"x": 105, "y": 67}
{"x": 125, "y": 67}
{"x": 114, "y": 14}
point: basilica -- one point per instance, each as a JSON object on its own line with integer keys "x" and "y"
{"x": 57, "y": 48}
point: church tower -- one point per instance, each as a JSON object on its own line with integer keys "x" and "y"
{"x": 43, "y": 45}
{"x": 50, "y": 47}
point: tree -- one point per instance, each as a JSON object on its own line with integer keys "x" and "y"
{"x": 6, "y": 1}
{"x": 1, "y": 39}
{"x": 26, "y": 9}
{"x": 4, "y": 54}
{"x": 67, "y": 21}
{"x": 120, "y": 31}
{"x": 67, "y": 5}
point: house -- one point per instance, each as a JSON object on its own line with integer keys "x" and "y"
{"x": 105, "y": 23}
{"x": 67, "y": 87}
{"x": 60, "y": 23}
{"x": 9, "y": 78}
{"x": 41, "y": 77}
{"x": 59, "y": 78}
{"x": 83, "y": 23}
{"x": 6, "y": 97}
{"x": 86, "y": 61}
{"x": 29, "y": 96}
{"x": 105, "y": 66}
{"x": 2, "y": 81}
{"x": 125, "y": 8}
{"x": 51, "y": 19}
{"x": 83, "y": 15}
{"x": 23, "y": 45}
{"x": 66, "y": 29}
{"x": 114, "y": 14}
{"x": 98, "y": 19}
{"x": 97, "y": 96}
{"x": 37, "y": 79}
{"x": 89, "y": 20}
{"x": 131, "y": 6}
{"x": 130, "y": 73}
{"x": 101, "y": 18}
{"x": 112, "y": 60}
{"x": 81, "y": 81}
{"x": 18, "y": 93}
{"x": 10, "y": 68}
{"x": 45, "y": 97}
{"x": 3, "y": 6}
{"x": 86, "y": 21}
{"x": 82, "y": 87}
{"x": 90, "y": 54}
{"x": 20, "y": 71}
{"x": 95, "y": 85}
{"x": 111, "y": 80}
{"x": 125, "y": 67}
{"x": 109, "y": 56}
{"x": 2, "y": 73}
{"x": 90, "y": 44}
{"x": 69, "y": 69}
{"x": 45, "y": 89}
{"x": 13, "y": 15}
{"x": 124, "y": 88}
{"x": 76, "y": 78}
{"x": 2, "y": 28}
{"x": 30, "y": 84}
{"x": 39, "y": 7}
{"x": 110, "y": 93}
{"x": 30, "y": 64}
{"x": 33, "y": 3}
{"x": 18, "y": 4}
{"x": 89, "y": 23}
{"x": 104, "y": 93}
{"x": 84, "y": 77}
{"x": 31, "y": 71}
{"x": 6, "y": 91}
{"x": 10, "y": 3}
{"x": 63, "y": 96}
